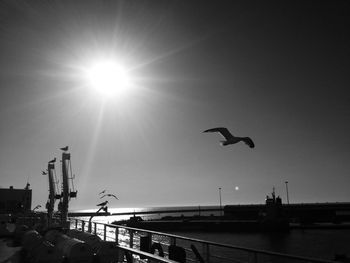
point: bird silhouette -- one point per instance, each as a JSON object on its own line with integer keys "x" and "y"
{"x": 229, "y": 138}
{"x": 102, "y": 192}
{"x": 53, "y": 160}
{"x": 64, "y": 148}
{"x": 44, "y": 173}
{"x": 110, "y": 195}
{"x": 38, "y": 206}
{"x": 103, "y": 203}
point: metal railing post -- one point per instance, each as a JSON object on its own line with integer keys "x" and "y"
{"x": 76, "y": 223}
{"x": 83, "y": 226}
{"x": 173, "y": 241}
{"x": 150, "y": 236}
{"x": 254, "y": 258}
{"x": 89, "y": 227}
{"x": 117, "y": 235}
{"x": 206, "y": 251}
{"x": 104, "y": 232}
{"x": 95, "y": 228}
{"x": 131, "y": 241}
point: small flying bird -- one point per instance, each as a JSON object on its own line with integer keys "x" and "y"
{"x": 230, "y": 139}
{"x": 100, "y": 193}
{"x": 111, "y": 195}
{"x": 43, "y": 173}
{"x": 38, "y": 206}
{"x": 53, "y": 160}
{"x": 103, "y": 203}
{"x": 64, "y": 148}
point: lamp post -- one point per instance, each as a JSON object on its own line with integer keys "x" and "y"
{"x": 220, "y": 201}
{"x": 287, "y": 192}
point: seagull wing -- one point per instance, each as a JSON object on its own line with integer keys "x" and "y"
{"x": 103, "y": 196}
{"x": 113, "y": 196}
{"x": 102, "y": 192}
{"x": 103, "y": 203}
{"x": 248, "y": 141}
{"x": 223, "y": 131}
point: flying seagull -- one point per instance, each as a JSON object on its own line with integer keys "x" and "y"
{"x": 230, "y": 139}
{"x": 111, "y": 195}
{"x": 64, "y": 148}
{"x": 38, "y": 206}
{"x": 53, "y": 160}
{"x": 44, "y": 173}
{"x": 103, "y": 203}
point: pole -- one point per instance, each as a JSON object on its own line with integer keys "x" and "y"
{"x": 220, "y": 201}
{"x": 287, "y": 192}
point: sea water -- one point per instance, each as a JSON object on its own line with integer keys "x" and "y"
{"x": 316, "y": 243}
{"x": 109, "y": 219}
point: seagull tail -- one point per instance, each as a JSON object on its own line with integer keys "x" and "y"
{"x": 224, "y": 143}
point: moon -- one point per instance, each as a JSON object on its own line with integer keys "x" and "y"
{"x": 236, "y": 188}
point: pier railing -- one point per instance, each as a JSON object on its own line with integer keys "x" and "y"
{"x": 141, "y": 244}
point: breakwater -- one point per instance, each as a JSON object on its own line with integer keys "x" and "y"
{"x": 297, "y": 213}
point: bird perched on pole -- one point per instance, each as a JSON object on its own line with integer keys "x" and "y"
{"x": 229, "y": 138}
{"x": 110, "y": 195}
{"x": 64, "y": 148}
{"x": 53, "y": 160}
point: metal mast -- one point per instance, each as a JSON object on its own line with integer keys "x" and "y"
{"x": 52, "y": 192}
{"x": 65, "y": 188}
{"x": 66, "y": 191}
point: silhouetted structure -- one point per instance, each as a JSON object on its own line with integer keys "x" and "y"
{"x": 15, "y": 200}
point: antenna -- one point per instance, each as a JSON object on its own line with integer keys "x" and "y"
{"x": 28, "y": 184}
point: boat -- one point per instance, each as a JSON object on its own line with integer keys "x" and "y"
{"x": 274, "y": 218}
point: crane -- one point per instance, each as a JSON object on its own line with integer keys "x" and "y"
{"x": 50, "y": 205}
{"x": 67, "y": 188}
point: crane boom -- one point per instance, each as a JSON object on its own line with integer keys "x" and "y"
{"x": 65, "y": 187}
{"x": 52, "y": 192}
{"x": 66, "y": 191}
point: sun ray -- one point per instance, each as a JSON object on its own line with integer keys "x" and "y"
{"x": 92, "y": 147}
{"x": 172, "y": 52}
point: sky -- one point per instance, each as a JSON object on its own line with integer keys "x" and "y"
{"x": 276, "y": 71}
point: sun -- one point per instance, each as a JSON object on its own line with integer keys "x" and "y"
{"x": 108, "y": 78}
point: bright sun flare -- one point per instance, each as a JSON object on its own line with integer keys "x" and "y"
{"x": 108, "y": 78}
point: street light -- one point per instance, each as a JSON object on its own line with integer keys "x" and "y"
{"x": 220, "y": 201}
{"x": 287, "y": 192}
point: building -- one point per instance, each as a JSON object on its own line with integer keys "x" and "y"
{"x": 14, "y": 201}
